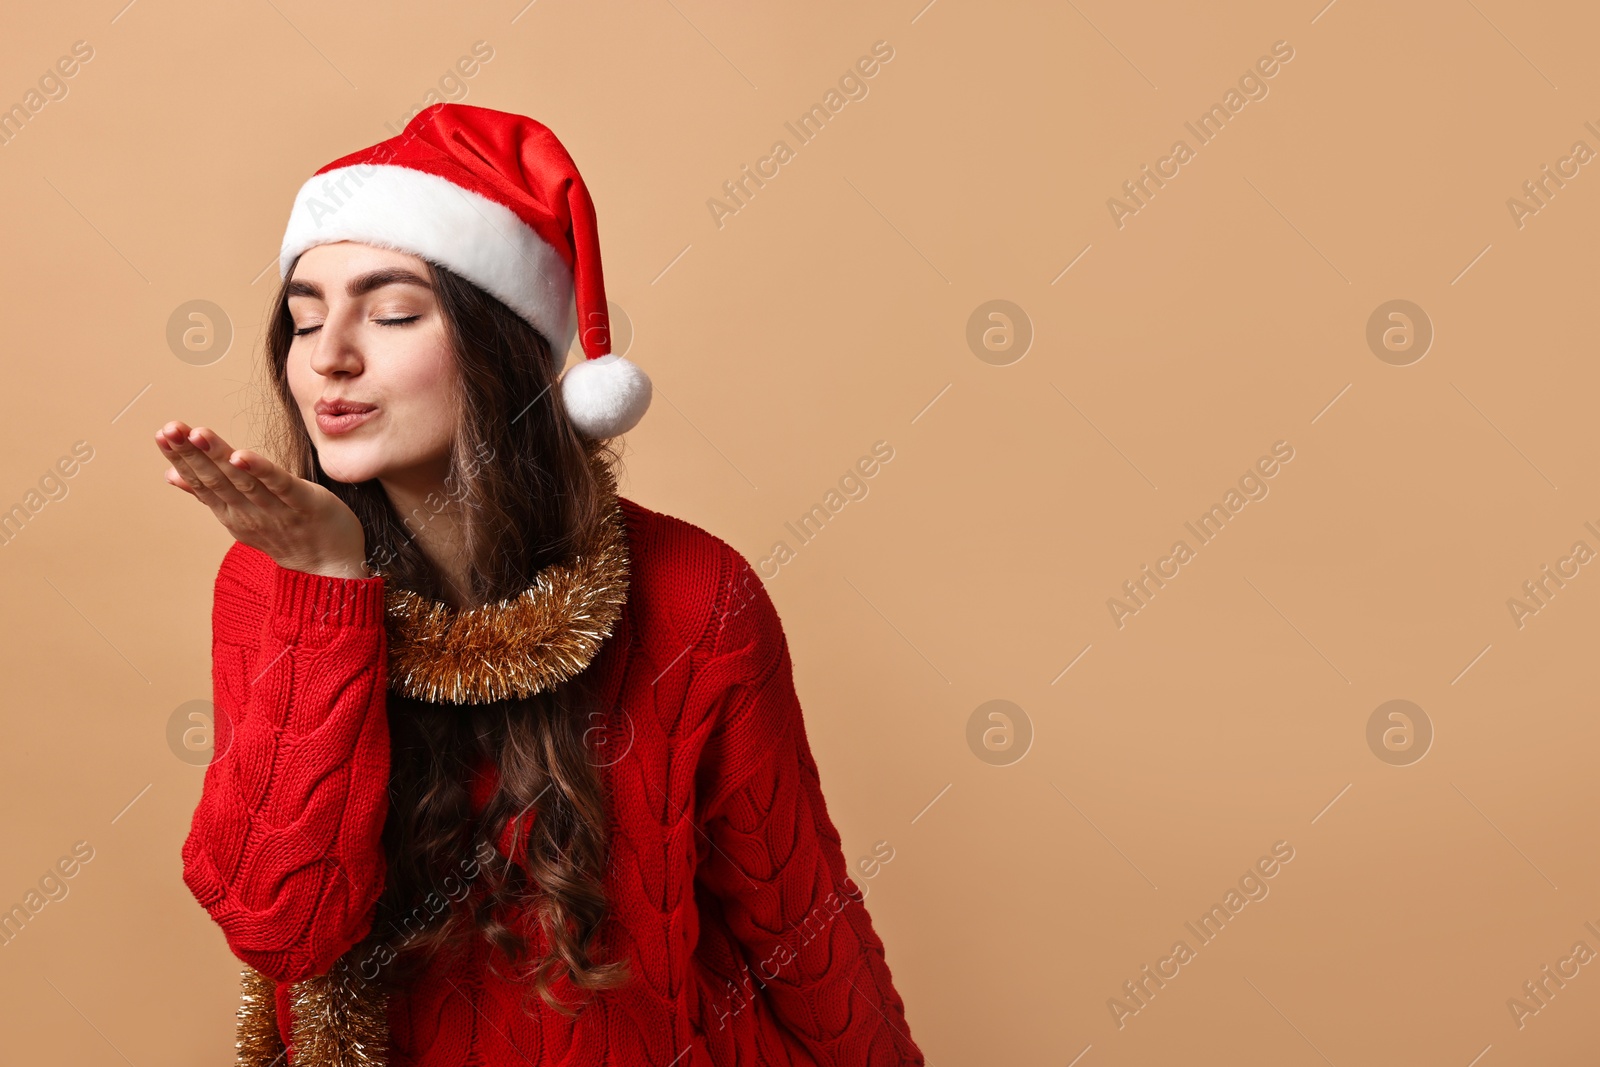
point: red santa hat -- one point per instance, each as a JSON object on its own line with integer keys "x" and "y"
{"x": 496, "y": 198}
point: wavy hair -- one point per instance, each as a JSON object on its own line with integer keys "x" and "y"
{"x": 525, "y": 486}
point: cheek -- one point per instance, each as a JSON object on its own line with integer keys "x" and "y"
{"x": 302, "y": 383}
{"x": 424, "y": 379}
{"x": 429, "y": 367}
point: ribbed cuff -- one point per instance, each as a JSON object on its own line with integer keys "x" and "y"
{"x": 305, "y": 603}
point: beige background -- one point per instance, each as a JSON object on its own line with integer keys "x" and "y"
{"x": 831, "y": 312}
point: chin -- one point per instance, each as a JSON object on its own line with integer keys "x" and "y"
{"x": 350, "y": 469}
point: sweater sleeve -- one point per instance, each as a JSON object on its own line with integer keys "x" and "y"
{"x": 774, "y": 859}
{"x": 284, "y": 850}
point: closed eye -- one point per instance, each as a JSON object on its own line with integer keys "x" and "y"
{"x": 381, "y": 322}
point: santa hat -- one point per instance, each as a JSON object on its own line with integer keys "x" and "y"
{"x": 495, "y": 198}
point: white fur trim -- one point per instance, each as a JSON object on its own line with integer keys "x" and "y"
{"x": 426, "y": 215}
{"x": 606, "y": 396}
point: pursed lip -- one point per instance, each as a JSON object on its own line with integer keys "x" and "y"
{"x": 342, "y": 407}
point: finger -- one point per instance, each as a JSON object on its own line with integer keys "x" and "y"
{"x": 167, "y": 439}
{"x": 180, "y": 465}
{"x": 179, "y": 474}
{"x": 284, "y": 487}
{"x": 173, "y": 478}
{"x": 234, "y": 466}
{"x": 199, "y": 469}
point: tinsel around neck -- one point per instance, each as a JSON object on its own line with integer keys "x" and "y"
{"x": 517, "y": 647}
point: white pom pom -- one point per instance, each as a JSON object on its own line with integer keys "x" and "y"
{"x": 606, "y": 396}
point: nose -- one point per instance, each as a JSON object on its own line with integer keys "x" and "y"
{"x": 337, "y": 349}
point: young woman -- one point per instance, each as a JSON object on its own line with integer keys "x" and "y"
{"x": 509, "y": 769}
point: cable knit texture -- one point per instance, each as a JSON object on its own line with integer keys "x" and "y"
{"x": 748, "y": 941}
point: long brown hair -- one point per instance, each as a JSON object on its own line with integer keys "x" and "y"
{"x": 524, "y": 483}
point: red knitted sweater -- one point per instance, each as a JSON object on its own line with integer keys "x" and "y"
{"x": 747, "y": 940}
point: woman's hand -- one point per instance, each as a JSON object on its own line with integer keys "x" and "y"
{"x": 300, "y": 524}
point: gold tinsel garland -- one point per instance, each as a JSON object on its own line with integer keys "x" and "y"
{"x": 257, "y": 1039}
{"x": 340, "y": 1020}
{"x": 517, "y": 647}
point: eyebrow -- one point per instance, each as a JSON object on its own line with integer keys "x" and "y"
{"x": 362, "y": 283}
